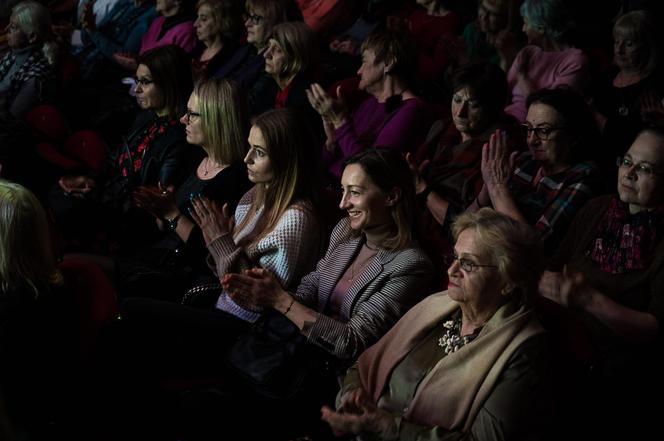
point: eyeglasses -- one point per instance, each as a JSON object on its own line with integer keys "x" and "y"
{"x": 144, "y": 81}
{"x": 253, "y": 18}
{"x": 191, "y": 116}
{"x": 468, "y": 265}
{"x": 543, "y": 133}
{"x": 643, "y": 169}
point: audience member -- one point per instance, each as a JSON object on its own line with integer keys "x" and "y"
{"x": 154, "y": 152}
{"x": 217, "y": 120}
{"x": 468, "y": 362}
{"x": 392, "y": 116}
{"x": 622, "y": 99}
{"x": 549, "y": 60}
{"x": 217, "y": 27}
{"x": 26, "y": 71}
{"x": 609, "y": 270}
{"x": 546, "y": 185}
{"x": 447, "y": 166}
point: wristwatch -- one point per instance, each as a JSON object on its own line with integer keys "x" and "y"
{"x": 172, "y": 224}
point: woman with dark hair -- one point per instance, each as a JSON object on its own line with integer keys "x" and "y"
{"x": 546, "y": 185}
{"x": 216, "y": 120}
{"x": 447, "y": 165}
{"x": 467, "y": 363}
{"x": 609, "y": 272}
{"x": 154, "y": 152}
{"x": 392, "y": 116}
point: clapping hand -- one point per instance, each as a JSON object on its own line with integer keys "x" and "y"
{"x": 332, "y": 110}
{"x": 358, "y": 415}
{"x": 77, "y": 186}
{"x": 158, "y": 201}
{"x": 652, "y": 109}
{"x": 567, "y": 288}
{"x": 497, "y": 165}
{"x": 213, "y": 221}
{"x": 418, "y": 172}
{"x": 254, "y": 289}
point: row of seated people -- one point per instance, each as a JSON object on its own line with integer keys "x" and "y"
{"x": 352, "y": 305}
{"x": 494, "y": 165}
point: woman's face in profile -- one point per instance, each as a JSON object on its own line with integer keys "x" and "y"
{"x": 259, "y": 165}
{"x": 192, "y": 122}
{"x": 148, "y": 94}
{"x": 468, "y": 114}
{"x": 366, "y": 204}
{"x": 371, "y": 72}
{"x": 474, "y": 285}
{"x": 16, "y": 39}
{"x": 205, "y": 26}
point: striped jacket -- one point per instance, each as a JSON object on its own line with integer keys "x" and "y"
{"x": 392, "y": 282}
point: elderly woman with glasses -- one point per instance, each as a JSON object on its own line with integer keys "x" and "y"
{"x": 546, "y": 185}
{"x": 467, "y": 363}
{"x": 610, "y": 271}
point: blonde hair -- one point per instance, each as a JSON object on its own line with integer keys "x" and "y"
{"x": 512, "y": 246}
{"x": 34, "y": 18}
{"x": 298, "y": 42}
{"x": 639, "y": 26}
{"x": 26, "y": 257}
{"x": 225, "y": 15}
{"x": 224, "y": 119}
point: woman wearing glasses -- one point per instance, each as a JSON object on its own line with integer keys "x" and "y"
{"x": 415, "y": 383}
{"x": 216, "y": 119}
{"x": 546, "y": 185}
{"x": 610, "y": 271}
{"x": 154, "y": 152}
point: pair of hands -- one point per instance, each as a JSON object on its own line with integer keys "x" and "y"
{"x": 497, "y": 164}
{"x": 343, "y": 45}
{"x": 254, "y": 289}
{"x": 77, "y": 186}
{"x": 418, "y": 172}
{"x": 567, "y": 288}
{"x": 358, "y": 414}
{"x": 332, "y": 110}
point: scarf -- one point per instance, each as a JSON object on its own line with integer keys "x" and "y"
{"x": 464, "y": 390}
{"x": 131, "y": 159}
{"x": 35, "y": 66}
{"x": 626, "y": 241}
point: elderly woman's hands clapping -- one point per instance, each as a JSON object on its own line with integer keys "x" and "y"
{"x": 358, "y": 415}
{"x": 497, "y": 165}
{"x": 332, "y": 110}
{"x": 566, "y": 288}
{"x": 213, "y": 221}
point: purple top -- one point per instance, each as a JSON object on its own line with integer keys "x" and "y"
{"x": 371, "y": 125}
{"x": 182, "y": 34}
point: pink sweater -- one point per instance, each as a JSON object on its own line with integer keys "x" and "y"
{"x": 182, "y": 35}
{"x": 547, "y": 70}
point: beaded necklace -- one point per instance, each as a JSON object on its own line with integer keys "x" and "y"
{"x": 452, "y": 340}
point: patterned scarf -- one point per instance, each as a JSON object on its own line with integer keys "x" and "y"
{"x": 131, "y": 159}
{"x": 626, "y": 241}
{"x": 35, "y": 66}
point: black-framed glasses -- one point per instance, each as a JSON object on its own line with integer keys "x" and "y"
{"x": 253, "y": 18}
{"x": 468, "y": 265}
{"x": 190, "y": 115}
{"x": 643, "y": 169}
{"x": 543, "y": 133}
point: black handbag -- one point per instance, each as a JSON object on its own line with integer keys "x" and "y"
{"x": 274, "y": 357}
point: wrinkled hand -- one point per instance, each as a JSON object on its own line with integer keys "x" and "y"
{"x": 158, "y": 201}
{"x": 77, "y": 186}
{"x": 213, "y": 221}
{"x": 358, "y": 415}
{"x": 343, "y": 46}
{"x": 418, "y": 172}
{"x": 126, "y": 60}
{"x": 332, "y": 110}
{"x": 497, "y": 165}
{"x": 255, "y": 288}
{"x": 567, "y": 288}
